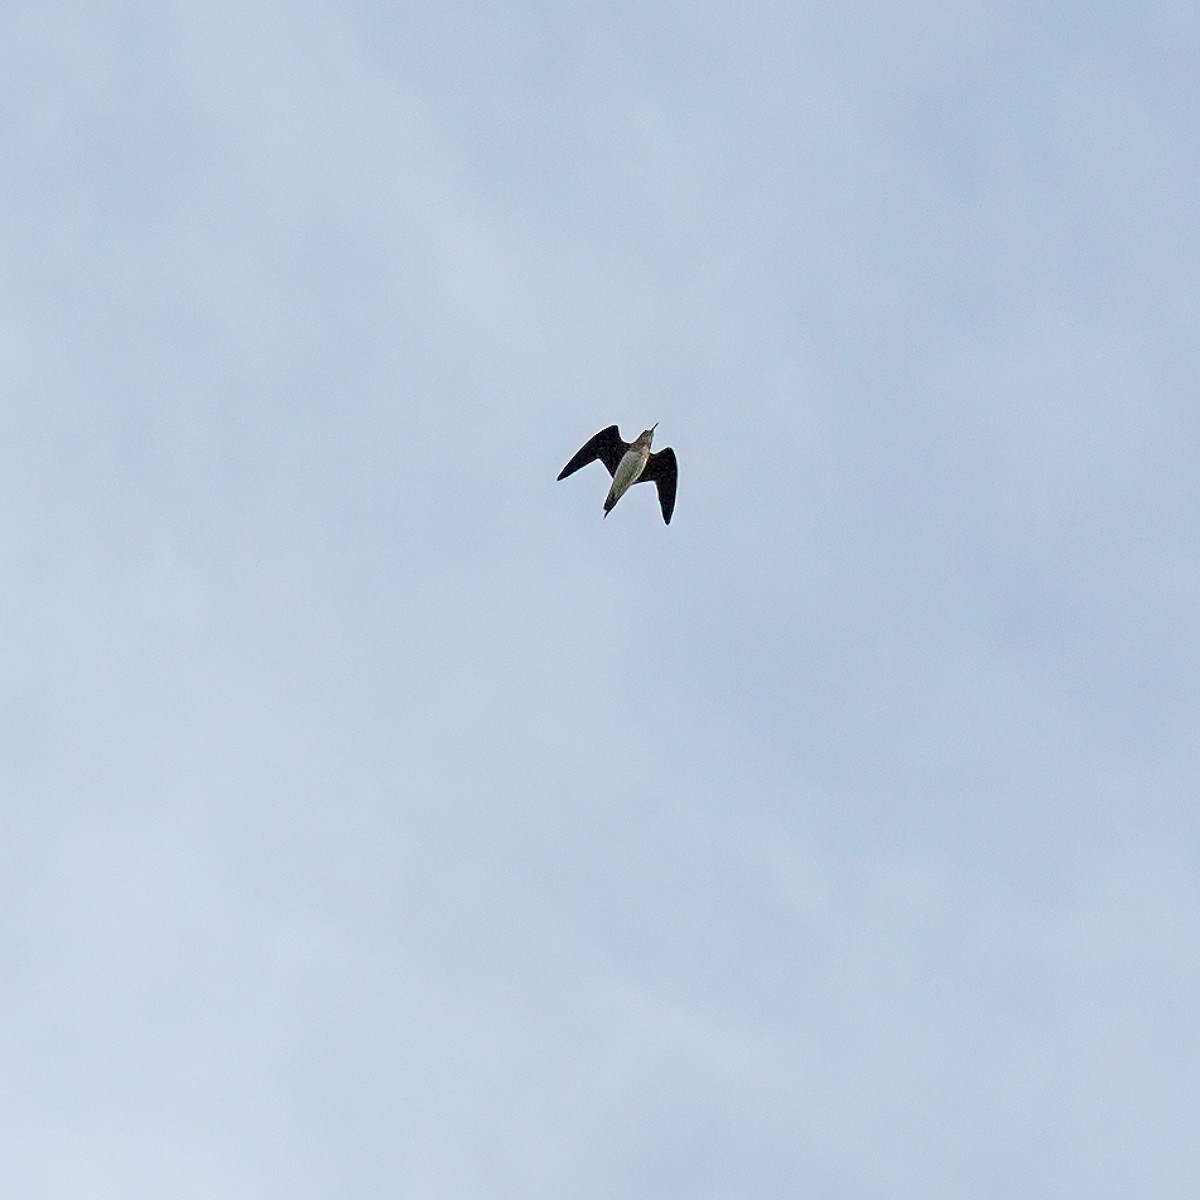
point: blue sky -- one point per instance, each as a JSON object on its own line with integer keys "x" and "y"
{"x": 379, "y": 820}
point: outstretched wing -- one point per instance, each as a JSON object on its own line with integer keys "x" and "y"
{"x": 605, "y": 446}
{"x": 664, "y": 470}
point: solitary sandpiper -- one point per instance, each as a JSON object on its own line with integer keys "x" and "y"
{"x": 629, "y": 463}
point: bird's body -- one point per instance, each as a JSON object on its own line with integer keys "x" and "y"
{"x": 632, "y": 464}
{"x": 629, "y": 463}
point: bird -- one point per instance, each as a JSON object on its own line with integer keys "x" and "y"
{"x": 629, "y": 463}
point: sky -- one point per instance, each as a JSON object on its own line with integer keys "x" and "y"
{"x": 378, "y": 820}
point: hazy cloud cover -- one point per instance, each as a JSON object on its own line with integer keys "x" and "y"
{"x": 376, "y": 819}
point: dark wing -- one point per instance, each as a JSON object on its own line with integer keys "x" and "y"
{"x": 605, "y": 446}
{"x": 664, "y": 470}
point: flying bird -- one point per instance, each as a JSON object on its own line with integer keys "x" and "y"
{"x": 629, "y": 463}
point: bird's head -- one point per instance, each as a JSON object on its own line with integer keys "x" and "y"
{"x": 648, "y": 434}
